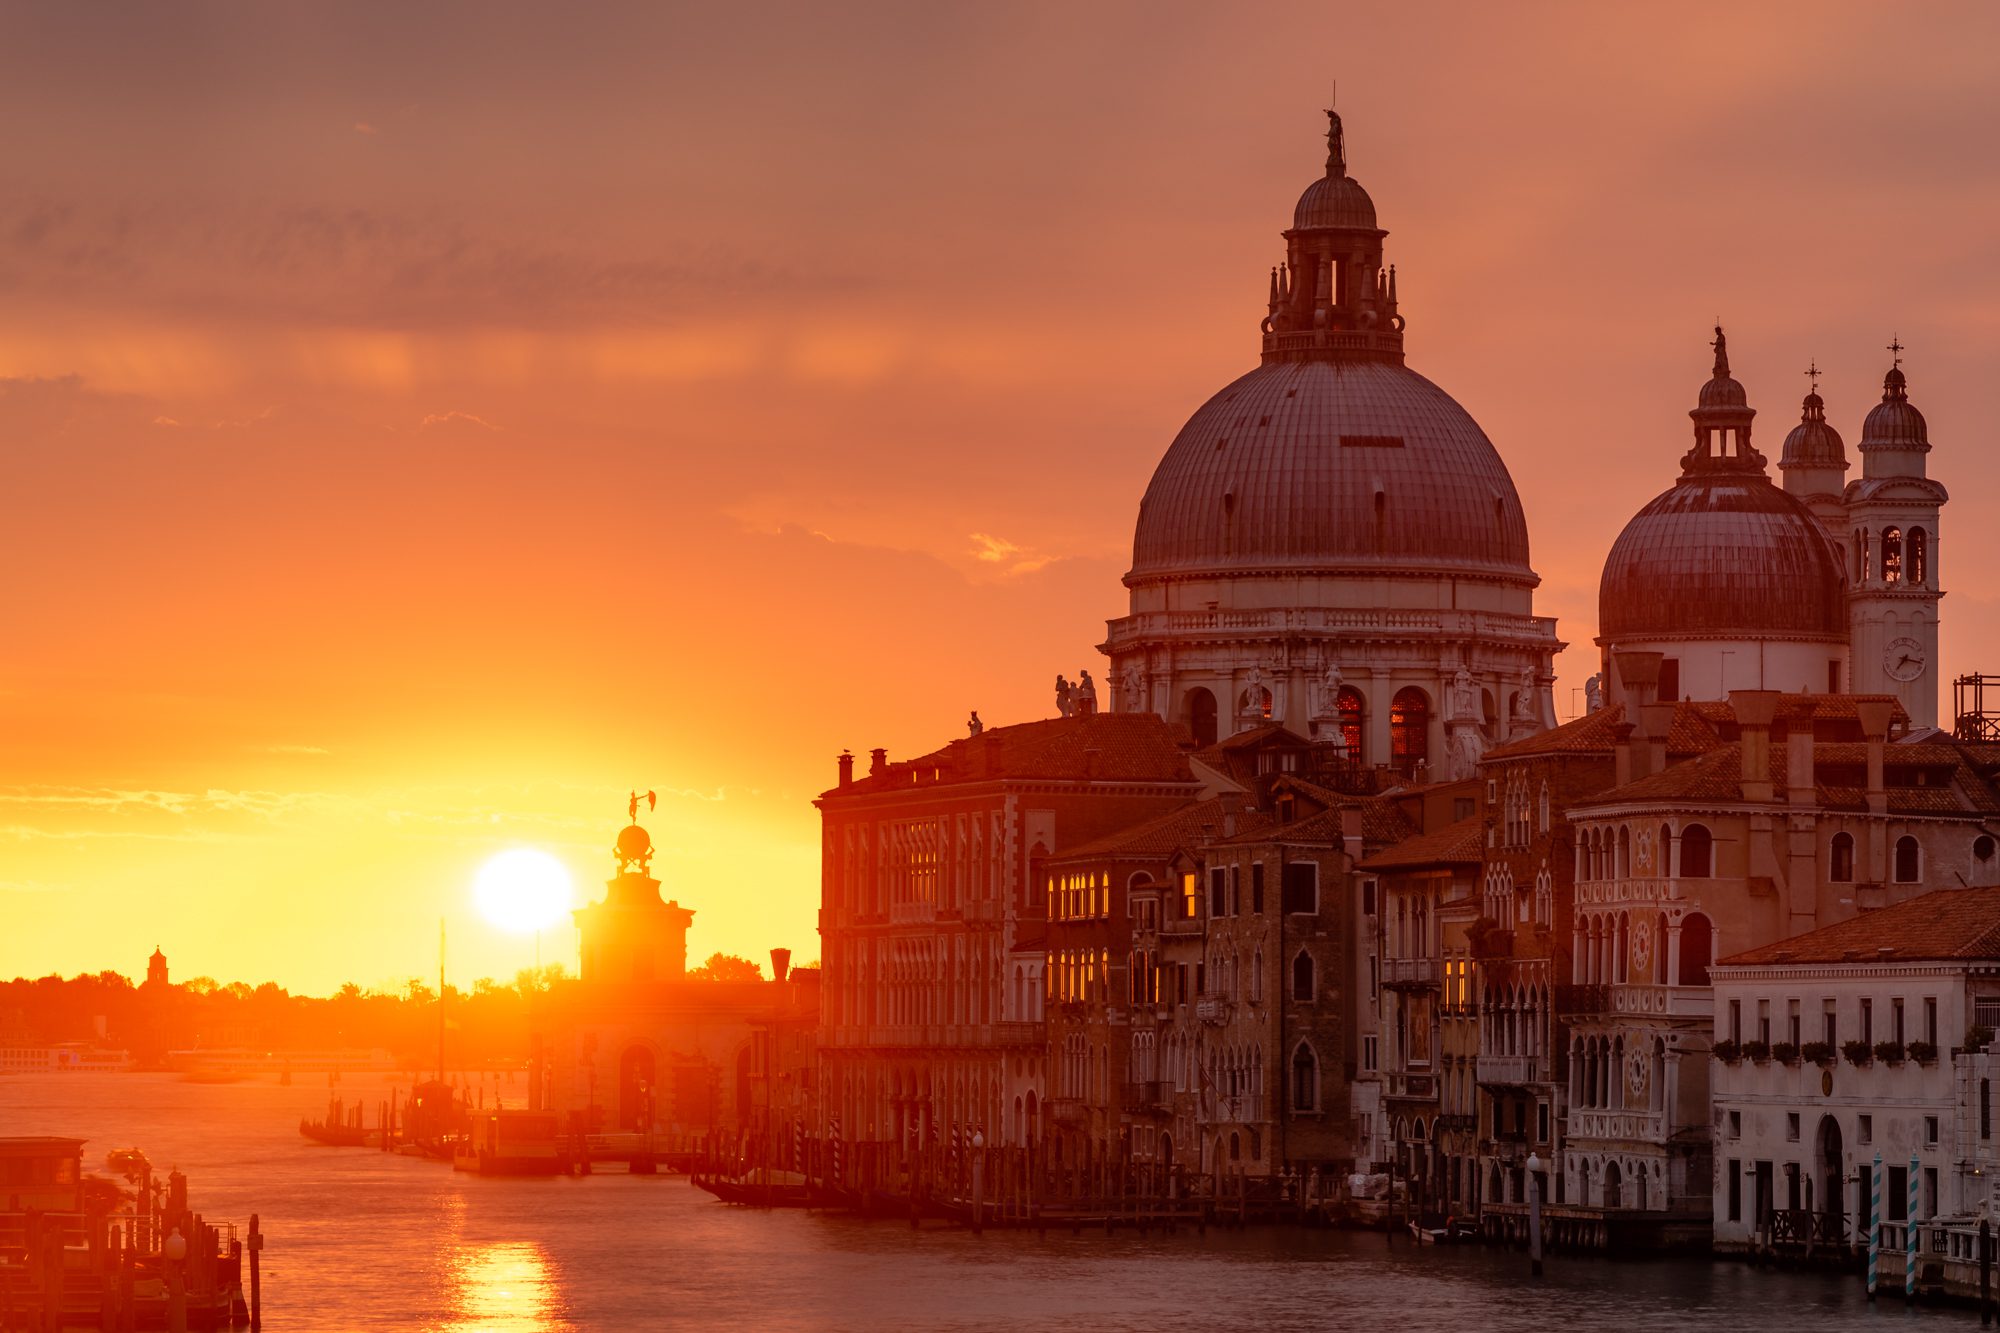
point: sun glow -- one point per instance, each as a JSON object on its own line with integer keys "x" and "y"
{"x": 522, "y": 890}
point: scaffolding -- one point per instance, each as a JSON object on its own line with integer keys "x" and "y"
{"x": 1976, "y": 704}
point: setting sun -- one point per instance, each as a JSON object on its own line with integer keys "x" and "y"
{"x": 522, "y": 890}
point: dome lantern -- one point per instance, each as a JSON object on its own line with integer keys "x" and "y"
{"x": 1332, "y": 299}
{"x": 1721, "y": 416}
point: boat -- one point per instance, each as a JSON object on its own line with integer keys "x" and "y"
{"x": 511, "y": 1143}
{"x": 785, "y": 1189}
{"x": 127, "y": 1162}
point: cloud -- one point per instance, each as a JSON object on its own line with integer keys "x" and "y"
{"x": 455, "y": 417}
{"x": 363, "y": 127}
{"x": 1013, "y": 559}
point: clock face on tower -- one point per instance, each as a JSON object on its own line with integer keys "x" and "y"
{"x": 1903, "y": 659}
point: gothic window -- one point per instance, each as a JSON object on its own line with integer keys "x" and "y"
{"x": 1918, "y": 553}
{"x": 1302, "y": 978}
{"x": 1305, "y": 1078}
{"x": 1545, "y": 807}
{"x": 1892, "y": 554}
{"x": 1697, "y": 852}
{"x": 1908, "y": 861}
{"x": 1840, "y": 868}
{"x": 1409, "y": 729}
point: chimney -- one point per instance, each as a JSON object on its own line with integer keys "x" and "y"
{"x": 1754, "y": 710}
{"x": 1801, "y": 783}
{"x": 1656, "y": 721}
{"x": 781, "y": 964}
{"x": 1874, "y": 715}
{"x": 1229, "y": 823}
{"x": 878, "y": 761}
{"x": 1622, "y": 754}
{"x": 1638, "y": 676}
{"x": 846, "y": 762}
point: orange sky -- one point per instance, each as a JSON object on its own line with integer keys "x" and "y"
{"x": 419, "y": 426}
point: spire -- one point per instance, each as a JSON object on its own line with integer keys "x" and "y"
{"x": 1336, "y": 145}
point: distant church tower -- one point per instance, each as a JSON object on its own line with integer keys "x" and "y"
{"x": 1814, "y": 464}
{"x": 1892, "y": 524}
{"x": 632, "y": 937}
{"x": 156, "y": 968}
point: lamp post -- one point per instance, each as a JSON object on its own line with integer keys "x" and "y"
{"x": 174, "y": 1250}
{"x": 1534, "y": 1214}
{"x": 978, "y": 1180}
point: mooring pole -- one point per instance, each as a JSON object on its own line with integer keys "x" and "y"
{"x": 1534, "y": 1215}
{"x": 1985, "y": 1272}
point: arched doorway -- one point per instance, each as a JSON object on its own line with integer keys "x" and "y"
{"x": 635, "y": 1087}
{"x": 1614, "y": 1186}
{"x": 1199, "y": 709}
{"x": 1831, "y": 1158}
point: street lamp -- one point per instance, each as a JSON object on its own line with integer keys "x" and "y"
{"x": 1534, "y": 1214}
{"x": 174, "y": 1249}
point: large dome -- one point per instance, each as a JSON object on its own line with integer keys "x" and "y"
{"x": 1726, "y": 556}
{"x": 1323, "y": 465}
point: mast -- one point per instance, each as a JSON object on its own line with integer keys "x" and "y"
{"x": 440, "y": 999}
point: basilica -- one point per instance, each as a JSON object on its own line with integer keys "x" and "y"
{"x": 1329, "y": 903}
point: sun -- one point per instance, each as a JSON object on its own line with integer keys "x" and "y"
{"x": 522, "y": 890}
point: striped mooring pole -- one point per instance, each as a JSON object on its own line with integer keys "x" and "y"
{"x": 1874, "y": 1224}
{"x": 835, "y": 1127}
{"x": 1911, "y": 1231}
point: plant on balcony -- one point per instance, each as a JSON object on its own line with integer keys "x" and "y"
{"x": 1728, "y": 1052}
{"x": 1760, "y": 1051}
{"x": 1819, "y": 1052}
{"x": 1889, "y": 1052}
{"x": 1923, "y": 1052}
{"x": 1977, "y": 1036}
{"x": 1857, "y": 1052}
{"x": 1786, "y": 1052}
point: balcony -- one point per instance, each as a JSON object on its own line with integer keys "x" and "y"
{"x": 1410, "y": 973}
{"x": 1505, "y": 1071}
{"x": 1630, "y": 1126}
{"x": 1019, "y": 1034}
{"x": 1211, "y": 1009}
{"x": 1148, "y": 1094}
{"x": 1408, "y": 1086}
{"x": 1243, "y": 1109}
{"x": 1068, "y": 1110}
{"x": 1576, "y": 999}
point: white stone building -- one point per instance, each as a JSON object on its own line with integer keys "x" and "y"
{"x": 1851, "y": 1041}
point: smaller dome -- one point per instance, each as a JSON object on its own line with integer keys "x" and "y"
{"x": 1335, "y": 201}
{"x": 1813, "y": 443}
{"x": 634, "y": 844}
{"x": 1895, "y": 421}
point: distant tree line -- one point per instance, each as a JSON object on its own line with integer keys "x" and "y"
{"x": 488, "y": 1022}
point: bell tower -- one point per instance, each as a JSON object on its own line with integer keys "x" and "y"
{"x": 1893, "y": 550}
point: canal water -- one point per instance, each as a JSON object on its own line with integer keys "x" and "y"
{"x": 362, "y": 1241}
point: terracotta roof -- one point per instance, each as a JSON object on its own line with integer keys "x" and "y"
{"x": 1945, "y": 924}
{"x": 1128, "y": 747}
{"x": 1947, "y": 785}
{"x": 1256, "y": 736}
{"x": 1193, "y": 825}
{"x": 1595, "y": 733}
{"x": 1463, "y": 843}
{"x": 1821, "y": 707}
{"x": 1382, "y": 823}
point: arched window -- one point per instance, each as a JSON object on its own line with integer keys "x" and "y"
{"x": 1302, "y": 977}
{"x": 1305, "y": 1078}
{"x": 1697, "y": 949}
{"x": 1840, "y": 859}
{"x": 1909, "y": 867}
{"x": 1199, "y": 709}
{"x": 1919, "y": 556}
{"x": 1892, "y": 554}
{"x": 1697, "y": 852}
{"x": 1624, "y": 852}
{"x": 1409, "y": 729}
{"x": 1349, "y": 704}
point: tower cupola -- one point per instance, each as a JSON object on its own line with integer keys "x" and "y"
{"x": 1722, "y": 416}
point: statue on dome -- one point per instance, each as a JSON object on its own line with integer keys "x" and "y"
{"x": 1084, "y": 697}
{"x": 1329, "y": 691}
{"x": 1065, "y": 695}
{"x": 1464, "y": 698}
{"x": 632, "y": 806}
{"x": 1593, "y": 693}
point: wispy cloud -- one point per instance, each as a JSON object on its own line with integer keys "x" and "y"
{"x": 1011, "y": 557}
{"x": 456, "y": 417}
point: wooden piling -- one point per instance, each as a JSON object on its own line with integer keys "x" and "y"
{"x": 256, "y": 1248}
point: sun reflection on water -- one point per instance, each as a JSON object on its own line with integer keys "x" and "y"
{"x": 504, "y": 1288}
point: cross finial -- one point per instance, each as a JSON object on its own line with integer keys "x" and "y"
{"x": 1812, "y": 373}
{"x": 1896, "y": 349}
